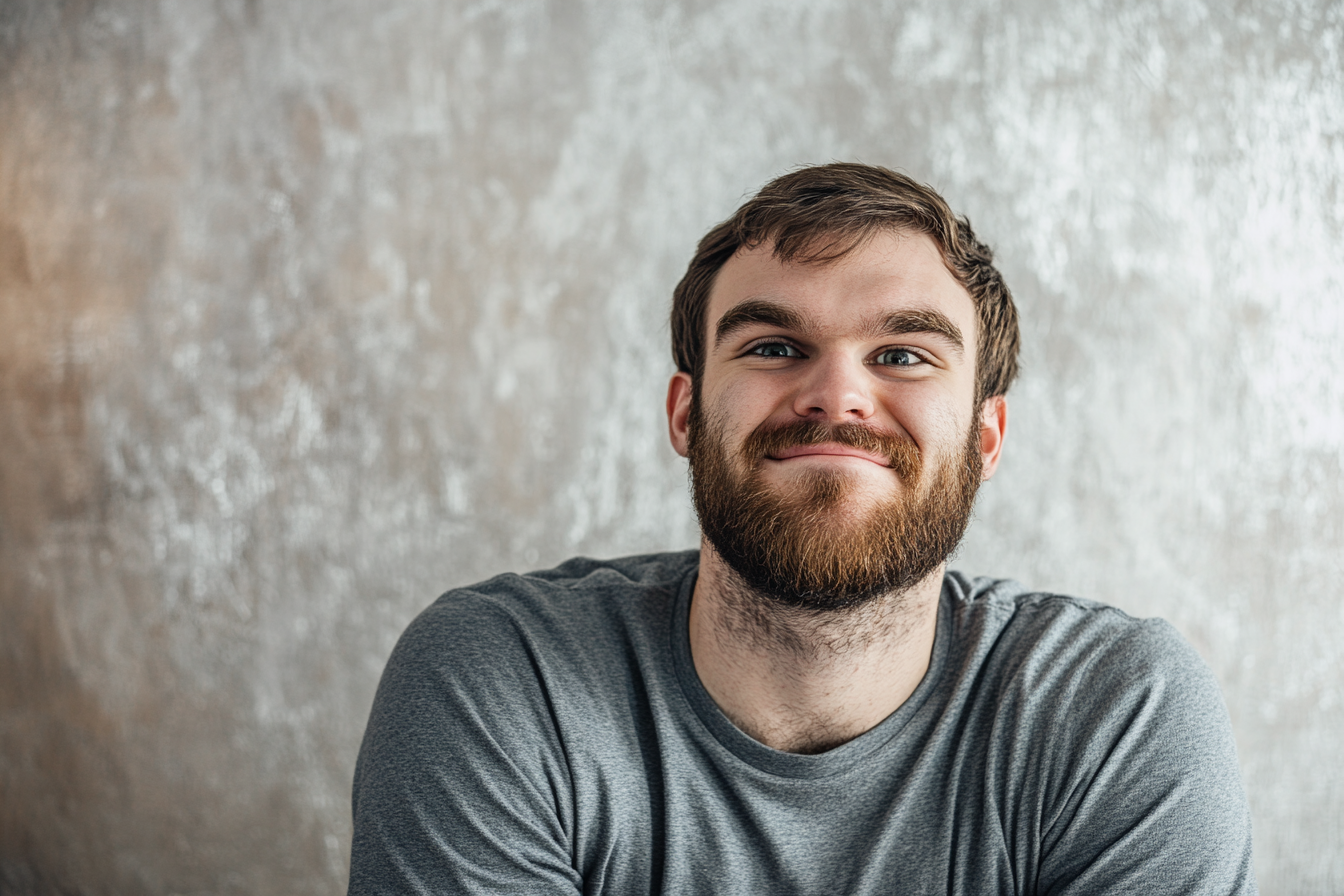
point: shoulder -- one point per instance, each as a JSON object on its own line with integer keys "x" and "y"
{"x": 490, "y": 718}
{"x": 1120, "y": 730}
{"x": 1041, "y": 638}
{"x": 573, "y": 582}
{"x": 1086, "y": 686}
{"x": 525, "y": 653}
{"x": 578, "y": 586}
{"x": 579, "y": 573}
{"x": 524, "y": 622}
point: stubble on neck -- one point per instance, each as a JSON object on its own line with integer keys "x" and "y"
{"x": 754, "y": 620}
{"x": 804, "y": 680}
{"x": 815, "y": 612}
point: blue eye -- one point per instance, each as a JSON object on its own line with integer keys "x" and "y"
{"x": 898, "y": 357}
{"x": 775, "y": 350}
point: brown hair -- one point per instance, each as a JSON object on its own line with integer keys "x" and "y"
{"x": 817, "y": 215}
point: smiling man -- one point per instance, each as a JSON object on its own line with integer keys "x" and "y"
{"x": 810, "y": 703}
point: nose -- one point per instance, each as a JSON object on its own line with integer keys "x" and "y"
{"x": 836, "y": 389}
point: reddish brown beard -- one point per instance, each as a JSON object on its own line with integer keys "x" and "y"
{"x": 799, "y": 548}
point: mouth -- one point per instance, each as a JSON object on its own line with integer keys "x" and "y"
{"x": 828, "y": 450}
{"x": 817, "y": 446}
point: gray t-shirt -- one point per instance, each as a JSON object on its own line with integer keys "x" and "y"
{"x": 547, "y": 733}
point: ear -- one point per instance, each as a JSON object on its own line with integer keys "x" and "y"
{"x": 679, "y": 411}
{"x": 993, "y": 428}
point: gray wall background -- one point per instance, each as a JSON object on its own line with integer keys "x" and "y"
{"x": 311, "y": 310}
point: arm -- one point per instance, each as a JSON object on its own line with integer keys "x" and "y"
{"x": 461, "y": 784}
{"x": 1147, "y": 791}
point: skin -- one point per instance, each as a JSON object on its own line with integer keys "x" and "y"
{"x": 871, "y": 338}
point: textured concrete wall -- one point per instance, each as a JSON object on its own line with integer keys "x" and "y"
{"x": 310, "y": 310}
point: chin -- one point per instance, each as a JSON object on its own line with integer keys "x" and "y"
{"x": 829, "y": 535}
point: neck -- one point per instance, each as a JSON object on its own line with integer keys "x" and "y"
{"x": 801, "y": 680}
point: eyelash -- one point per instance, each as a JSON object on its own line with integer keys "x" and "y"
{"x": 770, "y": 343}
{"x": 755, "y": 350}
{"x": 918, "y": 358}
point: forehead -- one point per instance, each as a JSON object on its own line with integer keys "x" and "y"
{"x": 893, "y": 271}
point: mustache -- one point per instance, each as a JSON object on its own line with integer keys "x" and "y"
{"x": 900, "y": 451}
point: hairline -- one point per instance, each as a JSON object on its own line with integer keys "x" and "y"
{"x": 819, "y": 214}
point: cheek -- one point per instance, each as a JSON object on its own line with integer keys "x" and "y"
{"x": 935, "y": 419}
{"x": 739, "y": 407}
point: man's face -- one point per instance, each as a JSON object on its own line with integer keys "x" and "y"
{"x": 834, "y": 446}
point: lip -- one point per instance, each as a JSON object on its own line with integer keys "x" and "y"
{"x": 828, "y": 449}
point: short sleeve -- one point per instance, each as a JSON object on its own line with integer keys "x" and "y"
{"x": 461, "y": 784}
{"x": 1147, "y": 796}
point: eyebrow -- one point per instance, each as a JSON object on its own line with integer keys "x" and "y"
{"x": 757, "y": 311}
{"x": 922, "y": 320}
{"x": 772, "y": 314}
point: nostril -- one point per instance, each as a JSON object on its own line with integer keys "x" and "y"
{"x": 836, "y": 389}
